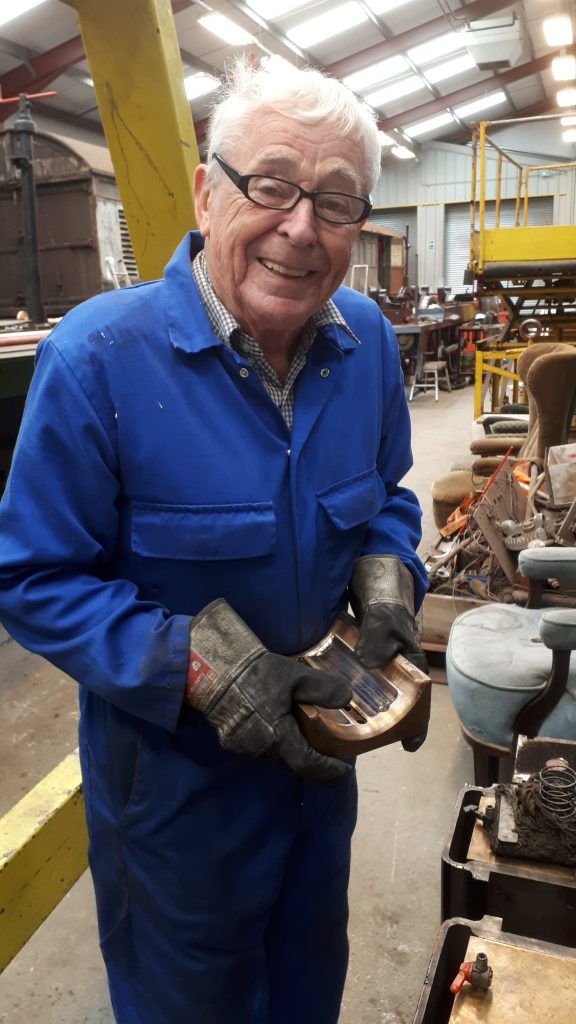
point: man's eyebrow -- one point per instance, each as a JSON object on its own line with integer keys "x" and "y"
{"x": 283, "y": 164}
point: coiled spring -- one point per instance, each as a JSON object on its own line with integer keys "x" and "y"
{"x": 558, "y": 791}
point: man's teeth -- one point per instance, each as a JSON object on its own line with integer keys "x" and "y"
{"x": 283, "y": 270}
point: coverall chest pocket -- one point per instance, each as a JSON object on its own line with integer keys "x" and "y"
{"x": 204, "y": 533}
{"x": 345, "y": 510}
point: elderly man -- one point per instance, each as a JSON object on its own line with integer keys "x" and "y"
{"x": 207, "y": 471}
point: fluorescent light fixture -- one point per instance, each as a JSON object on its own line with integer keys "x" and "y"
{"x": 270, "y": 9}
{"x": 564, "y": 68}
{"x": 376, "y": 73}
{"x": 569, "y": 135}
{"x": 385, "y": 140}
{"x": 436, "y": 48}
{"x": 492, "y": 100}
{"x": 14, "y": 8}
{"x": 567, "y": 121}
{"x": 403, "y": 153}
{"x": 403, "y": 87}
{"x": 383, "y": 6}
{"x": 430, "y": 125}
{"x": 439, "y": 72}
{"x": 558, "y": 30}
{"x": 566, "y": 97}
{"x": 199, "y": 85}
{"x": 338, "y": 20}
{"x": 226, "y": 30}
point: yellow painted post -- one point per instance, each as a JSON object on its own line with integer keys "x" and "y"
{"x": 43, "y": 851}
{"x": 478, "y": 383}
{"x": 134, "y": 58}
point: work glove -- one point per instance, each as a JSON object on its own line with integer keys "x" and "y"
{"x": 382, "y": 598}
{"x": 247, "y": 693}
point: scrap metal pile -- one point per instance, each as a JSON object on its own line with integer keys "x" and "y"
{"x": 476, "y": 555}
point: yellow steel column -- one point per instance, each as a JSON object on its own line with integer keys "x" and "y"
{"x": 132, "y": 50}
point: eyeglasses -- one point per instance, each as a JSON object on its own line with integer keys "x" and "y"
{"x": 277, "y": 194}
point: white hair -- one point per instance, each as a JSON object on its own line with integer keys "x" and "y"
{"x": 303, "y": 95}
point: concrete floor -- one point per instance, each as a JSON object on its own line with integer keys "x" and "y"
{"x": 406, "y": 804}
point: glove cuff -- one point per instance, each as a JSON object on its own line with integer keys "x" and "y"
{"x": 383, "y": 579}
{"x": 221, "y": 647}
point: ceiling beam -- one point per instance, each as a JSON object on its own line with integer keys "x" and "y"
{"x": 471, "y": 92}
{"x": 39, "y": 71}
{"x": 415, "y": 36}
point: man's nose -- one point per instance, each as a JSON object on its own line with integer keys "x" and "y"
{"x": 300, "y": 223}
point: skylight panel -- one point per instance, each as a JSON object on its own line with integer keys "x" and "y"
{"x": 14, "y": 8}
{"x": 449, "y": 68}
{"x": 226, "y": 30}
{"x": 383, "y": 6}
{"x": 430, "y": 125}
{"x": 492, "y": 100}
{"x": 394, "y": 92}
{"x": 376, "y": 73}
{"x": 270, "y": 9}
{"x": 436, "y": 48}
{"x": 316, "y": 30}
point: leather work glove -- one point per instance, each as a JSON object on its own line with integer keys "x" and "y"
{"x": 382, "y": 599}
{"x": 383, "y": 602}
{"x": 247, "y": 693}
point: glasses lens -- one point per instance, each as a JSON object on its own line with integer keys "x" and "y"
{"x": 272, "y": 192}
{"x": 339, "y": 207}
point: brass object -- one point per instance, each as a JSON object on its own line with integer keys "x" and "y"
{"x": 388, "y": 704}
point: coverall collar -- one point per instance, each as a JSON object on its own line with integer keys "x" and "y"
{"x": 188, "y": 324}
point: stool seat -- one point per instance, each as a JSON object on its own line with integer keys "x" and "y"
{"x": 495, "y": 664}
{"x": 426, "y": 378}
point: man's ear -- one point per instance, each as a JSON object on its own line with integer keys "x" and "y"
{"x": 202, "y": 199}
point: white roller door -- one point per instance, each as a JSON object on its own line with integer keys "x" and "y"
{"x": 457, "y": 233}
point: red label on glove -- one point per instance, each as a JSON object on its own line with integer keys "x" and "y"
{"x": 198, "y": 671}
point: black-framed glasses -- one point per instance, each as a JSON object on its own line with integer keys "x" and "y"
{"x": 278, "y": 194}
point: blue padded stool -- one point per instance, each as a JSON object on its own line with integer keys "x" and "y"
{"x": 509, "y": 668}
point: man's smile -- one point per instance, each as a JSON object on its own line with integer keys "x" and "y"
{"x": 277, "y": 268}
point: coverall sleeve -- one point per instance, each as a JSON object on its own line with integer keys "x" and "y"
{"x": 397, "y": 530}
{"x": 58, "y": 527}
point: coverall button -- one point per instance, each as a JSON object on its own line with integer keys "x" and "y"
{"x": 324, "y": 372}
{"x": 244, "y": 372}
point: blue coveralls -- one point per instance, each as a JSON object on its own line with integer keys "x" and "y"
{"x": 150, "y": 477}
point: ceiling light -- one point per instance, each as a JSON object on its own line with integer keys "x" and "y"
{"x": 199, "y": 85}
{"x": 436, "y": 48}
{"x": 483, "y": 104}
{"x": 564, "y": 68}
{"x": 403, "y": 153}
{"x": 385, "y": 140}
{"x": 430, "y": 125}
{"x": 566, "y": 121}
{"x": 376, "y": 73}
{"x": 558, "y": 31}
{"x": 383, "y": 6}
{"x": 566, "y": 97}
{"x": 316, "y": 30}
{"x": 270, "y": 9}
{"x": 226, "y": 30}
{"x": 450, "y": 67}
{"x": 14, "y": 8}
{"x": 403, "y": 87}
{"x": 570, "y": 135}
